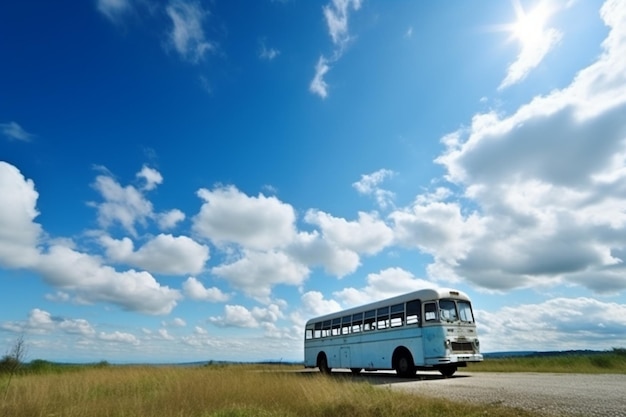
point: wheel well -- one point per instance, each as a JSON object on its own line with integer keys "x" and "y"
{"x": 320, "y": 356}
{"x": 400, "y": 350}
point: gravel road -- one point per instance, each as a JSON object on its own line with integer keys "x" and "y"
{"x": 557, "y": 394}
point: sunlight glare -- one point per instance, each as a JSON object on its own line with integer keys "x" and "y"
{"x": 529, "y": 29}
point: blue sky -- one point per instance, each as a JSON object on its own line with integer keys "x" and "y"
{"x": 191, "y": 180}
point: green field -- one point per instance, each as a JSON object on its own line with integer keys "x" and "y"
{"x": 600, "y": 363}
{"x": 46, "y": 389}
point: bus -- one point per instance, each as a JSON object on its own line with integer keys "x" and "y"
{"x": 429, "y": 329}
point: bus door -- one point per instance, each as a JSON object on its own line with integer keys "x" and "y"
{"x": 344, "y": 353}
{"x": 433, "y": 333}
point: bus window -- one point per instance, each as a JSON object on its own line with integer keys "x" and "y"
{"x": 382, "y": 318}
{"x": 357, "y": 322}
{"x": 336, "y": 326}
{"x": 448, "y": 310}
{"x": 430, "y": 311}
{"x": 413, "y": 312}
{"x": 465, "y": 312}
{"x": 369, "y": 319}
{"x": 397, "y": 315}
{"x": 345, "y": 324}
{"x": 317, "y": 333}
{"x": 308, "y": 334}
{"x": 326, "y": 328}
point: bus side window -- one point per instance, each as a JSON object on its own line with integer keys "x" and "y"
{"x": 317, "y": 333}
{"x": 413, "y": 312}
{"x": 326, "y": 328}
{"x": 336, "y": 327}
{"x": 382, "y": 320}
{"x": 308, "y": 334}
{"x": 357, "y": 322}
{"x": 430, "y": 311}
{"x": 397, "y": 315}
{"x": 368, "y": 321}
{"x": 345, "y": 324}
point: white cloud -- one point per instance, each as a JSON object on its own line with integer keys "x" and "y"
{"x": 84, "y": 274}
{"x": 255, "y": 273}
{"x": 336, "y": 14}
{"x": 187, "y": 35}
{"x": 14, "y": 131}
{"x": 536, "y": 41}
{"x": 151, "y": 176}
{"x": 164, "y": 254}
{"x": 368, "y": 235}
{"x": 196, "y": 291}
{"x": 123, "y": 205}
{"x": 369, "y": 185}
{"x": 240, "y": 316}
{"x": 387, "y": 283}
{"x": 314, "y": 304}
{"x": 556, "y": 324}
{"x": 170, "y": 219}
{"x": 547, "y": 183}
{"x": 119, "y": 337}
{"x": 19, "y": 234}
{"x": 318, "y": 85}
{"x": 311, "y": 249}
{"x": 230, "y": 216}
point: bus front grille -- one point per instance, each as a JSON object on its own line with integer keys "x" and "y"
{"x": 462, "y": 346}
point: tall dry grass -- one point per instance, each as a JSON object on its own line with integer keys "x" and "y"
{"x": 231, "y": 391}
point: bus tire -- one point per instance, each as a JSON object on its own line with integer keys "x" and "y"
{"x": 356, "y": 371}
{"x": 403, "y": 363}
{"x": 322, "y": 363}
{"x": 448, "y": 370}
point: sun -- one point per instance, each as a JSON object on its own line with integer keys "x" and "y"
{"x": 530, "y": 27}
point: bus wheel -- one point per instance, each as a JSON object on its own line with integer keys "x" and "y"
{"x": 403, "y": 364}
{"x": 356, "y": 371}
{"x": 322, "y": 363}
{"x": 448, "y": 371}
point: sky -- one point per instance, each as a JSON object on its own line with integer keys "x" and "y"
{"x": 190, "y": 180}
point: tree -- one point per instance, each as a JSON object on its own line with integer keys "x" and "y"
{"x": 10, "y": 363}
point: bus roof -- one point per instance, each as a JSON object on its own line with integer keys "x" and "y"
{"x": 424, "y": 295}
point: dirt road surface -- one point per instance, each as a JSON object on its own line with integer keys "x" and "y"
{"x": 557, "y": 394}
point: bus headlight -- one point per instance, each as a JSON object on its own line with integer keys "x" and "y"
{"x": 446, "y": 344}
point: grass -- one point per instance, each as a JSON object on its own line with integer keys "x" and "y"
{"x": 216, "y": 391}
{"x": 597, "y": 363}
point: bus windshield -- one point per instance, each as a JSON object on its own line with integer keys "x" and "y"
{"x": 447, "y": 309}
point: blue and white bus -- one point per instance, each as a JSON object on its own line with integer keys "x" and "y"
{"x": 430, "y": 329}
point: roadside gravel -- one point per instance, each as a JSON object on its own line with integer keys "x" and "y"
{"x": 556, "y": 394}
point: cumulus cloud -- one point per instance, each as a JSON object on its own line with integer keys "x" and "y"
{"x": 369, "y": 185}
{"x": 127, "y": 206}
{"x": 312, "y": 249}
{"x": 230, "y": 216}
{"x": 196, "y": 291}
{"x": 255, "y": 273}
{"x": 14, "y": 131}
{"x": 19, "y": 234}
{"x": 556, "y": 324}
{"x": 163, "y": 254}
{"x": 387, "y": 283}
{"x": 85, "y": 275}
{"x": 240, "y": 316}
{"x": 367, "y": 235}
{"x": 42, "y": 322}
{"x": 187, "y": 34}
{"x": 545, "y": 186}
